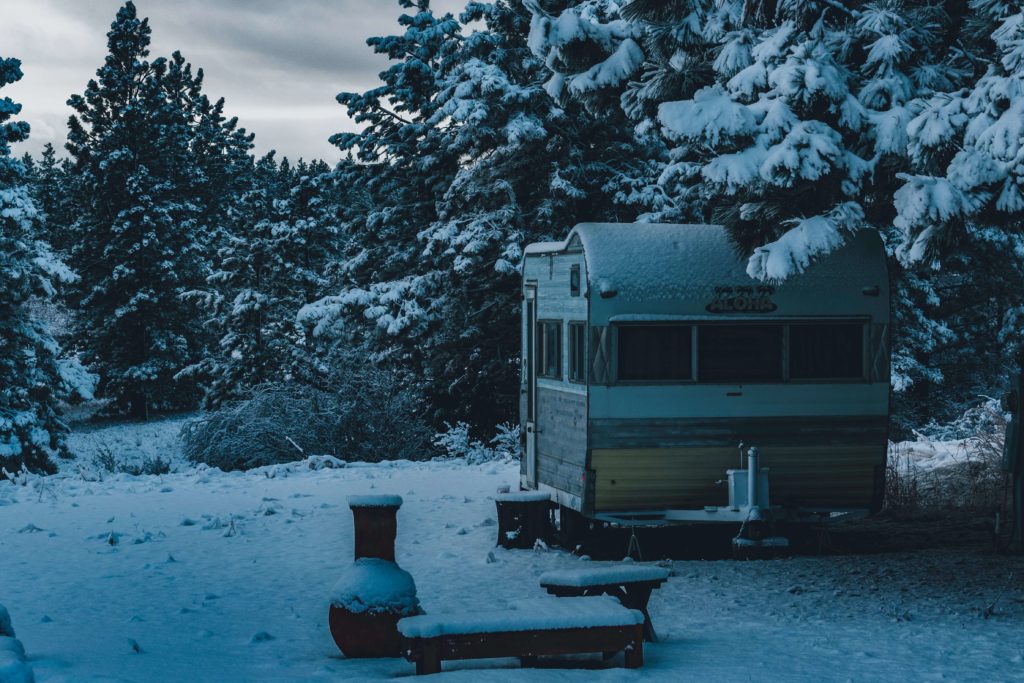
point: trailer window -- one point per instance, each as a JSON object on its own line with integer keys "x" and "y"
{"x": 574, "y": 280}
{"x": 655, "y": 352}
{"x": 549, "y": 343}
{"x": 739, "y": 353}
{"x": 577, "y": 352}
{"x": 826, "y": 351}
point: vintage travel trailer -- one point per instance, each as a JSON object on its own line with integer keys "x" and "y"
{"x": 650, "y": 356}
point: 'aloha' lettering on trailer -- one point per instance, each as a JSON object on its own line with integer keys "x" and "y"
{"x": 742, "y": 300}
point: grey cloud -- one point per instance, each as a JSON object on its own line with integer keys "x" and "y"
{"x": 278, "y": 64}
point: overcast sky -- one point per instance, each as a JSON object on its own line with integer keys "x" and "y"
{"x": 278, "y": 63}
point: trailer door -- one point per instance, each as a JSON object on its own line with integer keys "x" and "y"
{"x": 530, "y": 377}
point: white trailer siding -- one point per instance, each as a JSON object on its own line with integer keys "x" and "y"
{"x": 561, "y": 411}
{"x": 658, "y": 444}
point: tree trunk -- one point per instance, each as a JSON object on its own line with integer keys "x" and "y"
{"x": 138, "y": 408}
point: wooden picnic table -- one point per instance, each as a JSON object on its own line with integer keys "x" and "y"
{"x": 631, "y": 584}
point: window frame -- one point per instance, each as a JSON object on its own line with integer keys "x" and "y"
{"x": 693, "y": 350}
{"x": 577, "y": 375}
{"x": 695, "y": 324}
{"x": 575, "y": 289}
{"x": 542, "y": 349}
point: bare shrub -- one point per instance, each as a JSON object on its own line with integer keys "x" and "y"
{"x": 973, "y": 478}
{"x": 902, "y": 491}
{"x": 106, "y": 461}
{"x": 359, "y": 413}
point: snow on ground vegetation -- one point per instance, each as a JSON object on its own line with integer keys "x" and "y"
{"x": 203, "y": 575}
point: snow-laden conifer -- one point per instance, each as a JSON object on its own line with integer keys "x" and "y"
{"x": 150, "y": 155}
{"x": 32, "y": 377}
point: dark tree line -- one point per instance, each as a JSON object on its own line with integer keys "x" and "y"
{"x": 197, "y": 274}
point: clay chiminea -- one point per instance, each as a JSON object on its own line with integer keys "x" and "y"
{"x": 374, "y": 593}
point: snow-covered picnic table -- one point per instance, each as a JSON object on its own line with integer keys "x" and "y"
{"x": 631, "y": 584}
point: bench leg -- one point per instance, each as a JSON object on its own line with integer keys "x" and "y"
{"x": 430, "y": 658}
{"x": 635, "y": 652}
{"x": 637, "y": 597}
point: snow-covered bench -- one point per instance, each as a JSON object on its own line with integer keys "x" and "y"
{"x": 630, "y": 583}
{"x": 531, "y": 629}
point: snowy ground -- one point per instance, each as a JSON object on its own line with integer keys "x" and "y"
{"x": 204, "y": 561}
{"x": 128, "y": 443}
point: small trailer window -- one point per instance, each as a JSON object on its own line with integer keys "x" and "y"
{"x": 549, "y": 344}
{"x": 739, "y": 353}
{"x": 826, "y": 351}
{"x": 578, "y": 352}
{"x": 574, "y": 280}
{"x": 655, "y": 352}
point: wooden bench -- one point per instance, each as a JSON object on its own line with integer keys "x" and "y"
{"x": 631, "y": 584}
{"x": 534, "y": 628}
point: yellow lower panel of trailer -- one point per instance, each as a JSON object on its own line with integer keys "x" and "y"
{"x": 802, "y": 476}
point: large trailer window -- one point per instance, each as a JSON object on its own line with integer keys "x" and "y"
{"x": 549, "y": 344}
{"x": 578, "y": 352}
{"x": 739, "y": 353}
{"x": 655, "y": 352}
{"x": 826, "y": 351}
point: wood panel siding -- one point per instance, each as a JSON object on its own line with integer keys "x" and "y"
{"x": 561, "y": 439}
{"x": 800, "y": 476}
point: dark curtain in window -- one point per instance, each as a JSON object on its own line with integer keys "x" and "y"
{"x": 577, "y": 352}
{"x": 655, "y": 352}
{"x": 739, "y": 353}
{"x": 551, "y": 345}
{"x": 830, "y": 351}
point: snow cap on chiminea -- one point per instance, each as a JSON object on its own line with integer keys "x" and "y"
{"x": 376, "y": 525}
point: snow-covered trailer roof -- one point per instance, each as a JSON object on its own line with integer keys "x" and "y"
{"x": 639, "y": 271}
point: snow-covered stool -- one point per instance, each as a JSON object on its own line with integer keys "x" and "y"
{"x": 523, "y": 517}
{"x": 533, "y": 628}
{"x": 632, "y": 584}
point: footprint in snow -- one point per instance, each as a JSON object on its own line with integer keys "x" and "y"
{"x": 188, "y": 522}
{"x": 30, "y": 529}
{"x": 261, "y": 637}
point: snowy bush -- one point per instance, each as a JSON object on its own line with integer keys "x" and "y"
{"x": 362, "y": 413}
{"x": 456, "y": 442}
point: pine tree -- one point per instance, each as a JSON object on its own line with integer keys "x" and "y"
{"x": 150, "y": 155}
{"x": 783, "y": 125}
{"x": 52, "y": 197}
{"x": 483, "y": 163}
{"x": 957, "y": 226}
{"x": 271, "y": 263}
{"x": 32, "y": 380}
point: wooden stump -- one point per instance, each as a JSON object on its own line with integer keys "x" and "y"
{"x": 523, "y": 518}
